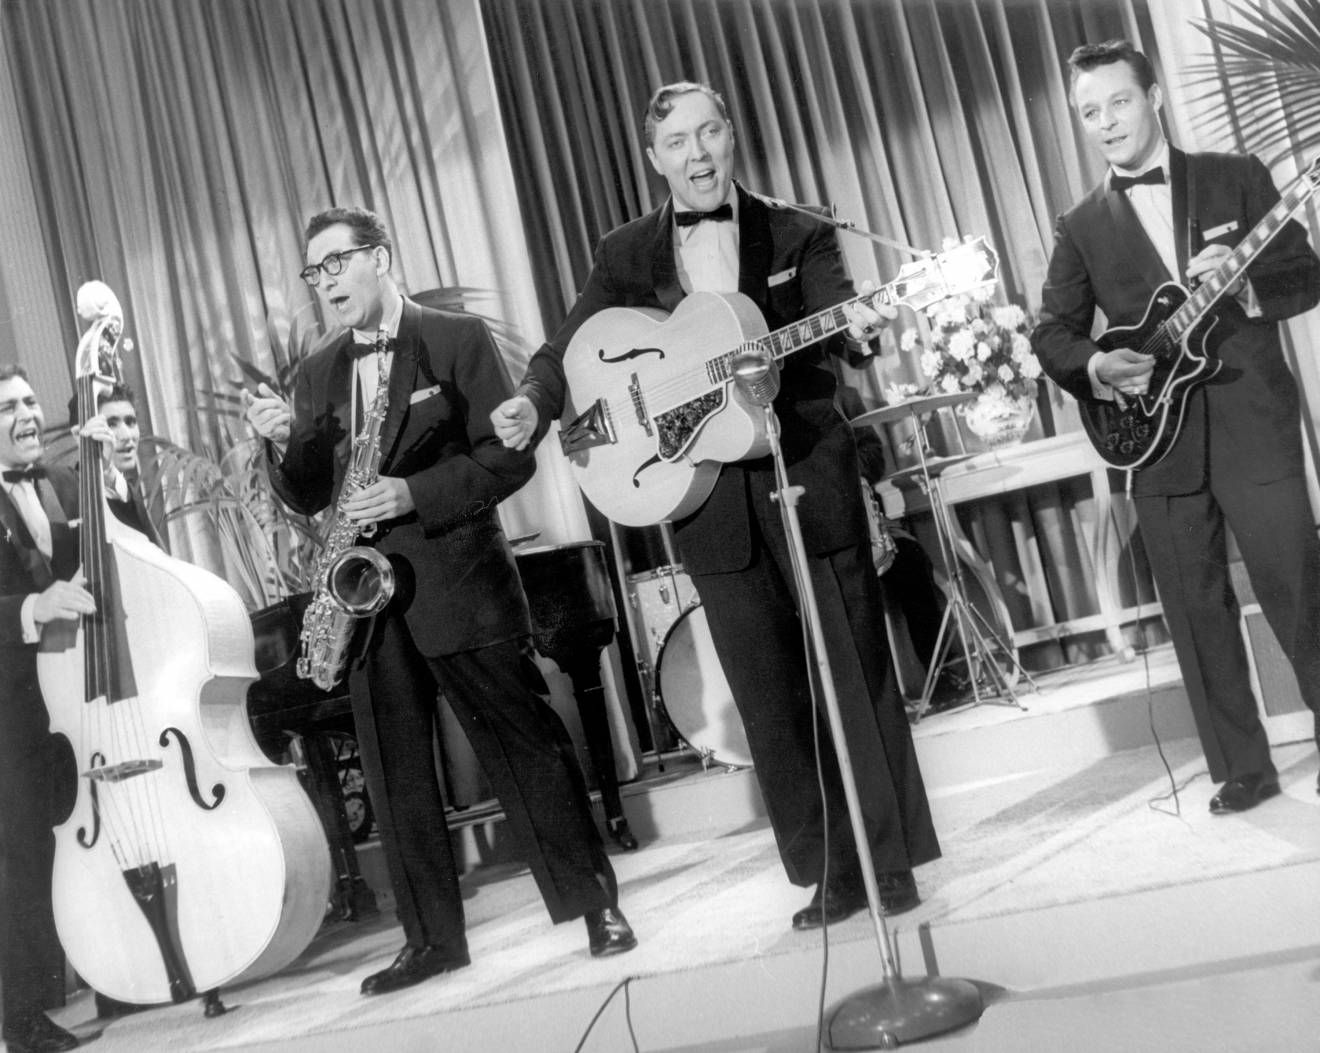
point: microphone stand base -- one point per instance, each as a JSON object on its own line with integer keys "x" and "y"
{"x": 900, "y": 1011}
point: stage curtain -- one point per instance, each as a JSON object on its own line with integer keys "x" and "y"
{"x": 177, "y": 147}
{"x": 919, "y": 120}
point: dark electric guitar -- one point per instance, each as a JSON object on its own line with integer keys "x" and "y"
{"x": 652, "y": 407}
{"x": 1179, "y": 329}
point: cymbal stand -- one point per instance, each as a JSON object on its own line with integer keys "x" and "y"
{"x": 977, "y": 638}
{"x": 897, "y": 1010}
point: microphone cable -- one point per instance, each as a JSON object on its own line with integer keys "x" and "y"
{"x": 1143, "y": 643}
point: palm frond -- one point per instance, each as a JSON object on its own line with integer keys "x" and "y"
{"x": 1265, "y": 82}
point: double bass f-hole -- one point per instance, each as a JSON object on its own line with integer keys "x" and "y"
{"x": 190, "y": 770}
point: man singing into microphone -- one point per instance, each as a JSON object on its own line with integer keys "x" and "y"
{"x": 715, "y": 235}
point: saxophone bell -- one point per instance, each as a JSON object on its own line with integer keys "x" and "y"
{"x": 360, "y": 581}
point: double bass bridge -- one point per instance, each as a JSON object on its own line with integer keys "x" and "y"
{"x": 123, "y": 770}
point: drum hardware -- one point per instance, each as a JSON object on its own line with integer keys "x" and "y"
{"x": 978, "y": 640}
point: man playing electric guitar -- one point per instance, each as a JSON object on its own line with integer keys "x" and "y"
{"x": 1236, "y": 459}
{"x": 713, "y": 235}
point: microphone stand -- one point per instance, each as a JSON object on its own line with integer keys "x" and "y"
{"x": 896, "y": 1010}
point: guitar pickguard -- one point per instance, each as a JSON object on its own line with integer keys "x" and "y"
{"x": 677, "y": 427}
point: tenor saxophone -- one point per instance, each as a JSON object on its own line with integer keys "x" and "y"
{"x": 352, "y": 581}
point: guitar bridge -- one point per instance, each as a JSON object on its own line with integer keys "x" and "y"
{"x": 591, "y": 428}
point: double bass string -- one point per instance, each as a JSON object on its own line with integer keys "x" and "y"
{"x": 127, "y": 806}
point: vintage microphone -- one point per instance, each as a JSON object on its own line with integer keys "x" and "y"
{"x": 897, "y": 1010}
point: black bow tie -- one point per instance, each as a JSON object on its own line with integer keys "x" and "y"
{"x": 362, "y": 348}
{"x": 1151, "y": 177}
{"x": 29, "y": 474}
{"x": 688, "y": 219}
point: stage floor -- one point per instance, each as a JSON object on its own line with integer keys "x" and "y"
{"x": 1092, "y": 909}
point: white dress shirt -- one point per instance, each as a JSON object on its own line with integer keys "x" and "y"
{"x": 706, "y": 253}
{"x": 369, "y": 366}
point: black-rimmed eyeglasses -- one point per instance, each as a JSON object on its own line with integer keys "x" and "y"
{"x": 333, "y": 265}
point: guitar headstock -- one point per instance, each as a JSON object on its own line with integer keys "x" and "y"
{"x": 1312, "y": 172}
{"x": 98, "y": 354}
{"x": 963, "y": 269}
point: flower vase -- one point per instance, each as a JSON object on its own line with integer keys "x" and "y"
{"x": 999, "y": 420}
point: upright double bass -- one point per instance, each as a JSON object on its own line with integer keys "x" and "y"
{"x": 188, "y": 861}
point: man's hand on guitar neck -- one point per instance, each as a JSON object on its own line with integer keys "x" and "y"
{"x": 865, "y": 321}
{"x": 515, "y": 421}
{"x": 1120, "y": 372}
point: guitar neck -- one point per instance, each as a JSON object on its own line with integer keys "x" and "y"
{"x": 1212, "y": 288}
{"x": 805, "y": 332}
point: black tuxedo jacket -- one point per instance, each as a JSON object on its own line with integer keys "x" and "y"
{"x": 457, "y": 582}
{"x": 25, "y": 570}
{"x": 790, "y": 266}
{"x": 1103, "y": 260}
{"x": 133, "y": 512}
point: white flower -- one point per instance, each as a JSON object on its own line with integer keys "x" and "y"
{"x": 983, "y": 350}
{"x": 908, "y": 340}
{"x": 930, "y": 363}
{"x": 973, "y": 376}
{"x": 1030, "y": 367}
{"x": 1021, "y": 348}
{"x": 950, "y": 383}
{"x": 962, "y": 345}
{"x": 1006, "y": 374}
{"x": 1009, "y": 317}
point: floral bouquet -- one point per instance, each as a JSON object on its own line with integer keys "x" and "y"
{"x": 982, "y": 347}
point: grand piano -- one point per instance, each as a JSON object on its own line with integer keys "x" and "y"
{"x": 573, "y": 619}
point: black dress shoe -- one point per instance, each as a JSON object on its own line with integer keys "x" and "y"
{"x": 623, "y": 837}
{"x": 609, "y": 932}
{"x": 412, "y": 966}
{"x": 1243, "y": 792}
{"x": 831, "y": 903}
{"x": 37, "y": 1033}
{"x": 898, "y": 892}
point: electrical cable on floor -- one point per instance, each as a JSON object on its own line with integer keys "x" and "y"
{"x": 1144, "y": 645}
{"x": 627, "y": 1009}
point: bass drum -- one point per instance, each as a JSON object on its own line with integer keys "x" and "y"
{"x": 696, "y": 697}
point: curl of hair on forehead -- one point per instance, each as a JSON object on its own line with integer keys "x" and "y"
{"x": 662, "y": 104}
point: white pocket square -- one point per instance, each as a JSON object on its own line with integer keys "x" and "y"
{"x": 782, "y": 276}
{"x": 1223, "y": 228}
{"x": 423, "y": 394}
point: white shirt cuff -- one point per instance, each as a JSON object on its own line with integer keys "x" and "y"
{"x": 31, "y": 633}
{"x": 1099, "y": 389}
{"x": 1249, "y": 301}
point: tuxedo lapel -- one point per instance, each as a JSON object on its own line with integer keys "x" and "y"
{"x": 1133, "y": 248}
{"x": 17, "y": 535}
{"x": 403, "y": 379}
{"x": 664, "y": 267}
{"x": 755, "y": 247}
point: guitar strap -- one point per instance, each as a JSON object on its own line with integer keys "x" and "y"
{"x": 1193, "y": 223}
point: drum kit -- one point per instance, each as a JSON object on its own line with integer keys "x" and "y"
{"x": 678, "y": 657}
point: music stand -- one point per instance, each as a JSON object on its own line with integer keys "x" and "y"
{"x": 977, "y": 638}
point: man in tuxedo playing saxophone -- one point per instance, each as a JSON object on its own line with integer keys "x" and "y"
{"x": 458, "y": 620}
{"x": 712, "y": 234}
{"x": 1162, "y": 215}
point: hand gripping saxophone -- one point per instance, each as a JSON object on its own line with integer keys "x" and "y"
{"x": 352, "y": 581}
